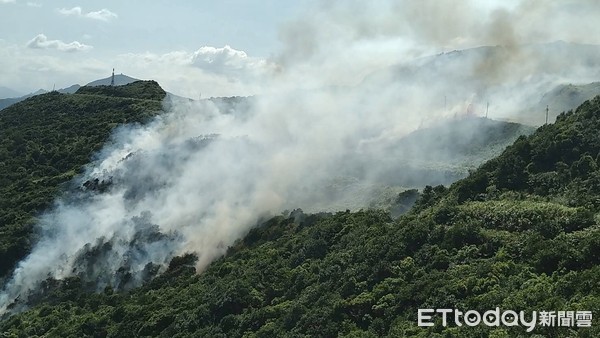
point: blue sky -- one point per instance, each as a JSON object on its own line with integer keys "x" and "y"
{"x": 229, "y": 47}
{"x": 98, "y": 34}
{"x": 163, "y": 26}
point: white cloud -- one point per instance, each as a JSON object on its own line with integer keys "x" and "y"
{"x": 214, "y": 60}
{"x": 102, "y": 15}
{"x": 26, "y": 69}
{"x": 41, "y": 42}
{"x": 223, "y": 60}
{"x": 34, "y": 4}
{"x": 73, "y": 11}
{"x": 210, "y": 71}
{"x": 7, "y": 1}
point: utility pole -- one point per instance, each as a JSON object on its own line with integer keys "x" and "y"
{"x": 487, "y": 108}
{"x": 112, "y": 79}
{"x": 547, "y": 114}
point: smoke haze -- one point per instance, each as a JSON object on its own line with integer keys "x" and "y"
{"x": 353, "y": 78}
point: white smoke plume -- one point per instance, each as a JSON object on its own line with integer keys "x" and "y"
{"x": 349, "y": 84}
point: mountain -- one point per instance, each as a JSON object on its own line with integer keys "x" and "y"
{"x": 509, "y": 81}
{"x": 8, "y": 93}
{"x": 69, "y": 90}
{"x": 519, "y": 233}
{"x": 54, "y": 135}
{"x": 442, "y": 152}
{"x": 566, "y": 97}
{"x": 119, "y": 81}
{"x": 10, "y": 101}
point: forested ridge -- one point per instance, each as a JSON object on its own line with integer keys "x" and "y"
{"x": 46, "y": 140}
{"x": 520, "y": 232}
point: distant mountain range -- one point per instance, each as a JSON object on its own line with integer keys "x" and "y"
{"x": 120, "y": 80}
{"x": 515, "y": 81}
{"x": 566, "y": 97}
{"x": 440, "y": 153}
{"x": 7, "y": 92}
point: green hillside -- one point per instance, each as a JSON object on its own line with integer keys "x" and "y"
{"x": 519, "y": 233}
{"x": 46, "y": 140}
{"x": 145, "y": 90}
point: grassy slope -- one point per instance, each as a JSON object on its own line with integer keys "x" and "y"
{"x": 519, "y": 233}
{"x": 45, "y": 141}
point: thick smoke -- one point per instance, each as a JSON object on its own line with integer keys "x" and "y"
{"x": 351, "y": 82}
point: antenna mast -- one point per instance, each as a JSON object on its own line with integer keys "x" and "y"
{"x": 112, "y": 79}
